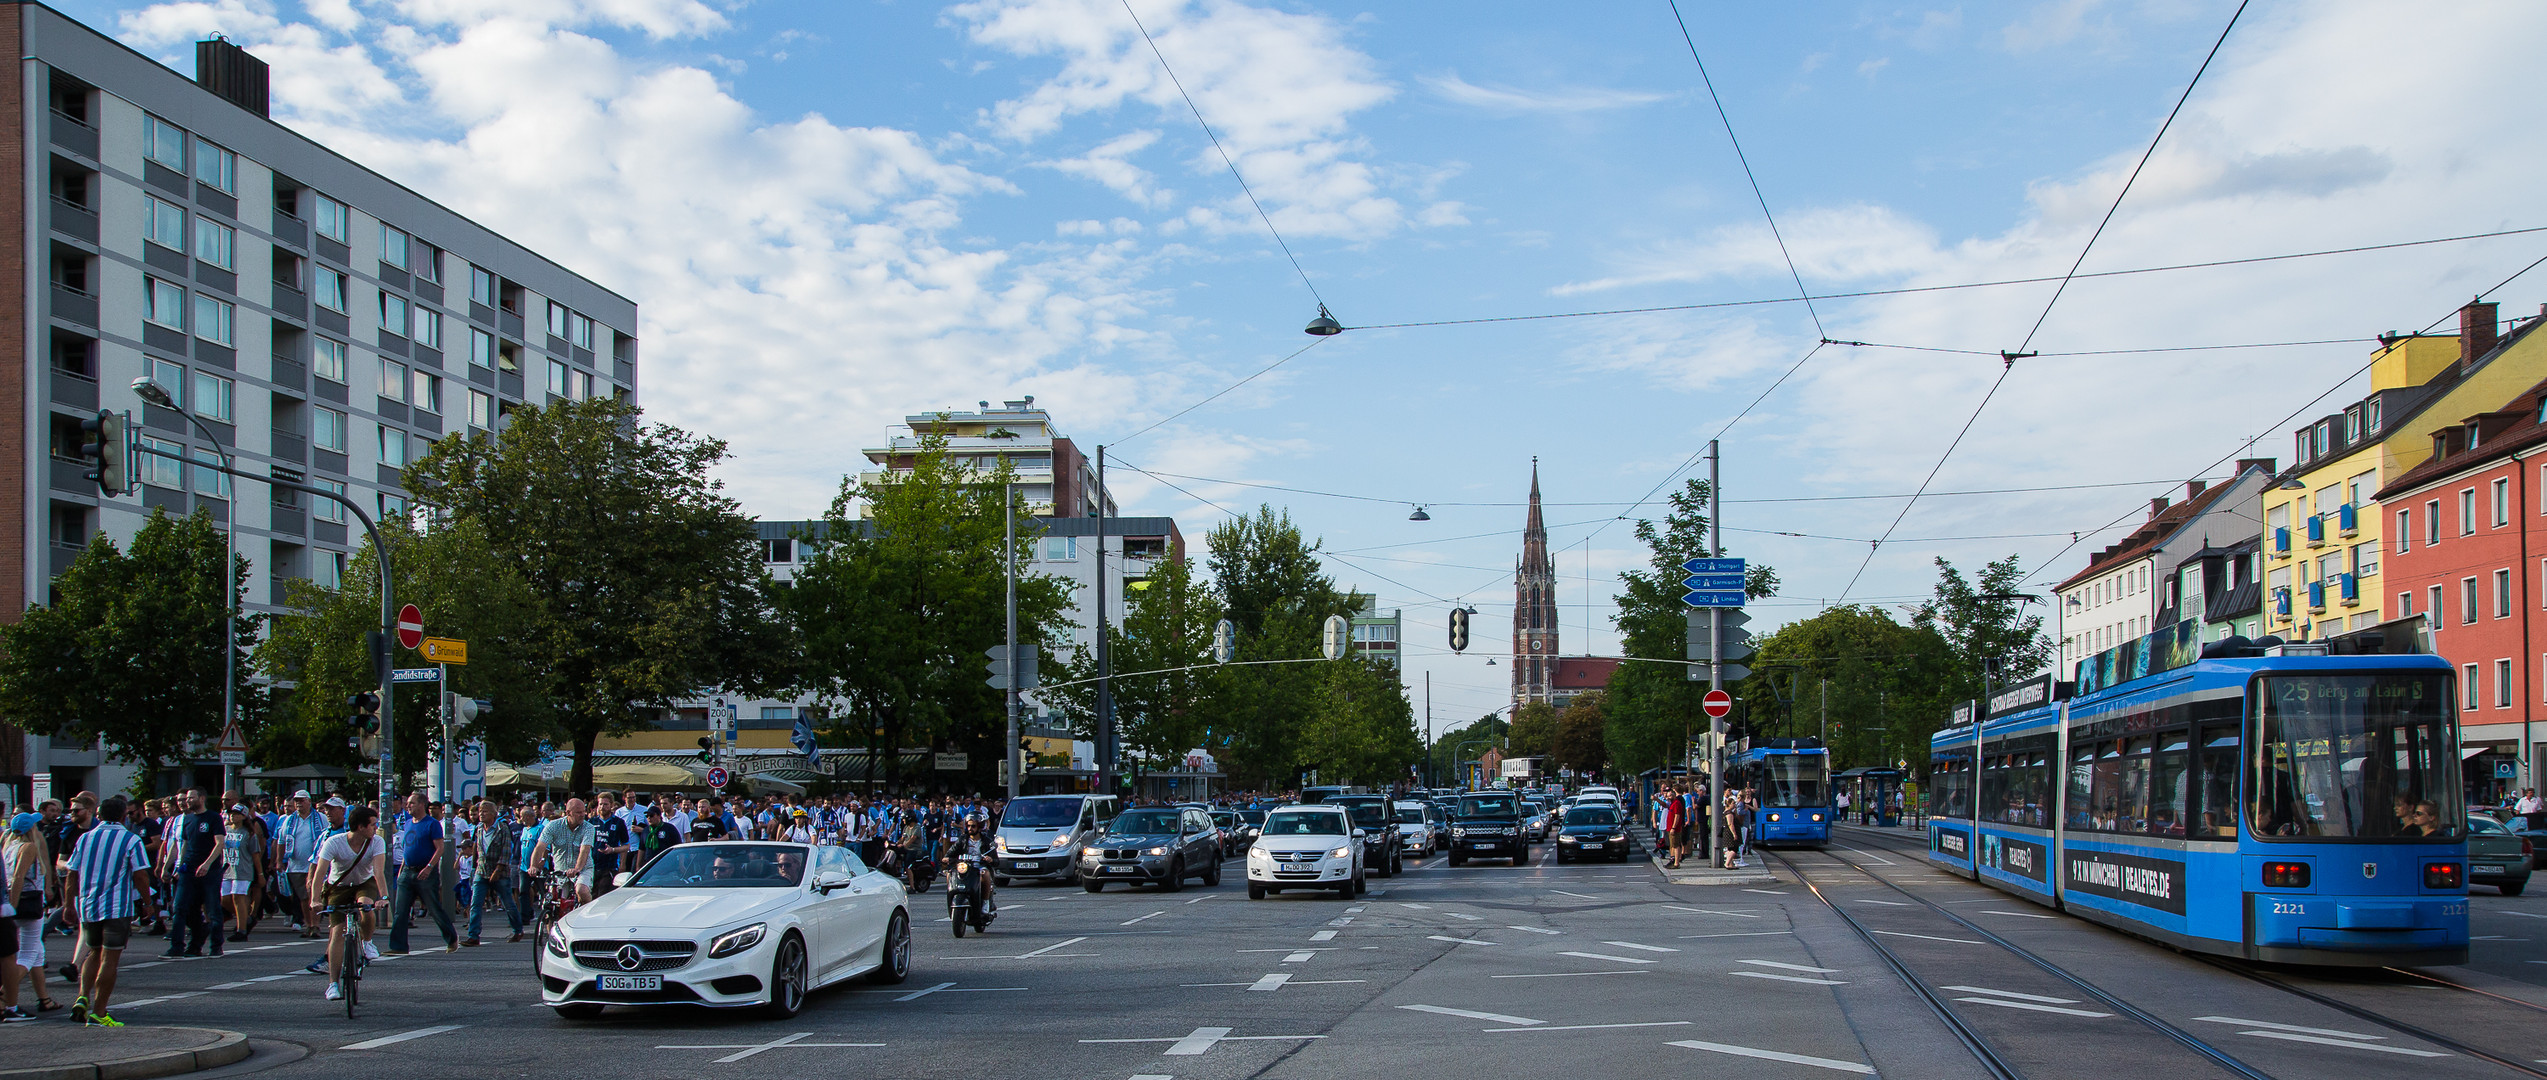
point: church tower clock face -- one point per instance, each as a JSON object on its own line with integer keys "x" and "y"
{"x": 1534, "y": 644}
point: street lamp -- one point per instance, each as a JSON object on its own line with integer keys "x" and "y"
{"x": 1324, "y": 325}
{"x": 151, "y": 392}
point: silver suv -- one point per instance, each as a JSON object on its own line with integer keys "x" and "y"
{"x": 1161, "y": 844}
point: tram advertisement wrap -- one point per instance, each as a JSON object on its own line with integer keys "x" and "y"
{"x": 1952, "y": 842}
{"x": 2021, "y": 858}
{"x": 2133, "y": 879}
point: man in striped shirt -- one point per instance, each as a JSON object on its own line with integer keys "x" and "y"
{"x": 109, "y": 883}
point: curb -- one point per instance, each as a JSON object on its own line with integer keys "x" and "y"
{"x": 226, "y": 1047}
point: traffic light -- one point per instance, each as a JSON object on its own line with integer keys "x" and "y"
{"x": 707, "y": 749}
{"x": 105, "y": 443}
{"x": 366, "y": 715}
{"x": 1458, "y": 629}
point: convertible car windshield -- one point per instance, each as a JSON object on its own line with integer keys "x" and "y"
{"x": 725, "y": 866}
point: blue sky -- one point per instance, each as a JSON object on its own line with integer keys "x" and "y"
{"x": 837, "y": 213}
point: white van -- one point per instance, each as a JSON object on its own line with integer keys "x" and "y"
{"x": 1039, "y": 836}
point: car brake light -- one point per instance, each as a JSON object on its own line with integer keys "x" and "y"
{"x": 2286, "y": 875}
{"x": 2526, "y": 850}
{"x": 2441, "y": 875}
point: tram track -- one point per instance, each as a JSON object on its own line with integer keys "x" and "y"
{"x": 2276, "y": 980}
{"x": 1983, "y": 1049}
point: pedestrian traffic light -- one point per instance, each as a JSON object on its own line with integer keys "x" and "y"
{"x": 1458, "y": 629}
{"x": 707, "y": 749}
{"x": 366, "y": 716}
{"x": 105, "y": 444}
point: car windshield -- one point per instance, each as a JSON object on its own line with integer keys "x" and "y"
{"x": 724, "y": 866}
{"x": 1794, "y": 780}
{"x": 1304, "y": 823}
{"x": 2363, "y": 756}
{"x": 1146, "y": 822}
{"x": 1224, "y": 818}
{"x": 1410, "y": 815}
{"x": 1487, "y": 806}
{"x": 1252, "y": 817}
{"x": 1040, "y": 814}
{"x": 2486, "y": 825}
{"x": 1591, "y": 815}
{"x": 1368, "y": 815}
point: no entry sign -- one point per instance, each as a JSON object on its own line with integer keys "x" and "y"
{"x": 410, "y": 626}
{"x": 1717, "y": 703}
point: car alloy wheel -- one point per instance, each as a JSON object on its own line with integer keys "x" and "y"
{"x": 1175, "y": 880}
{"x": 787, "y": 978}
{"x": 894, "y": 964}
{"x": 1211, "y": 875}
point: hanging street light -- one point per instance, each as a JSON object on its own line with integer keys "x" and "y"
{"x": 1324, "y": 325}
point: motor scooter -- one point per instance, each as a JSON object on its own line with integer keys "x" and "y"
{"x": 966, "y": 893}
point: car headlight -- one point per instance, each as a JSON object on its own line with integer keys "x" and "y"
{"x": 1000, "y": 843}
{"x": 737, "y": 941}
{"x": 556, "y": 939}
{"x": 1159, "y": 850}
{"x": 1616, "y": 837}
{"x": 1457, "y": 831}
{"x": 1341, "y": 853}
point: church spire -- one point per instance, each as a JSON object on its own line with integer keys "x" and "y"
{"x": 1534, "y": 610}
{"x": 1534, "y": 534}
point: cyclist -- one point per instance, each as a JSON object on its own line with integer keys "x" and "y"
{"x": 348, "y": 869}
{"x": 568, "y": 843}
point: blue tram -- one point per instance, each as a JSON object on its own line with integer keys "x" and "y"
{"x": 1793, "y": 780}
{"x": 2282, "y": 803}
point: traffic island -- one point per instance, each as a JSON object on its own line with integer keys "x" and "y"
{"x": 1694, "y": 870}
{"x": 62, "y": 1051}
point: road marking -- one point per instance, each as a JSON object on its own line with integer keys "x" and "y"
{"x": 2012, "y": 994}
{"x": 1707, "y": 911}
{"x": 1743, "y": 933}
{"x": 1301, "y": 957}
{"x": 948, "y": 987}
{"x": 1459, "y": 940}
{"x": 1595, "y": 1027}
{"x": 1886, "y": 903}
{"x": 1767, "y": 892}
{"x": 1202, "y": 1039}
{"x": 1516, "y": 1021}
{"x": 1868, "y": 854}
{"x": 2293, "y": 1036}
{"x": 403, "y": 1036}
{"x": 2286, "y": 1027}
{"x": 1561, "y": 892}
{"x": 274, "y": 978}
{"x": 1419, "y": 907}
{"x": 1198, "y": 899}
{"x": 2021, "y": 914}
{"x": 1787, "y": 978}
{"x": 1792, "y": 967}
{"x": 1269, "y": 982}
{"x": 1772, "y": 1055}
{"x": 2031, "y": 1007}
{"x": 1341, "y": 920}
{"x": 1534, "y": 929}
{"x": 1323, "y": 935}
{"x": 1633, "y": 945}
{"x": 1608, "y": 957}
{"x": 1568, "y": 974}
{"x": 228, "y": 985}
{"x": 1152, "y": 915}
{"x": 1924, "y": 937}
{"x": 2522, "y": 914}
{"x": 1049, "y": 948}
{"x": 123, "y": 1005}
{"x": 1456, "y": 915}
{"x": 792, "y": 1042}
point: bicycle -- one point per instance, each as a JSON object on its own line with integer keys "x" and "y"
{"x": 554, "y": 898}
{"x": 351, "y": 959}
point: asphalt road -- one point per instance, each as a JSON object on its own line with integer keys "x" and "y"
{"x": 1439, "y": 972}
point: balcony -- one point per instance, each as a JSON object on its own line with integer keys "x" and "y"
{"x": 2348, "y": 520}
{"x": 2282, "y": 603}
{"x": 2282, "y": 542}
{"x": 2317, "y": 530}
{"x": 2316, "y": 597}
{"x": 2348, "y": 590}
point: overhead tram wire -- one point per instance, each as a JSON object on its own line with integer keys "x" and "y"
{"x": 1803, "y": 293}
{"x": 1729, "y": 502}
{"x": 2009, "y": 359}
{"x": 1217, "y": 395}
{"x": 2103, "y": 352}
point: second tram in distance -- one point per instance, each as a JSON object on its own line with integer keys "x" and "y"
{"x": 1793, "y": 779}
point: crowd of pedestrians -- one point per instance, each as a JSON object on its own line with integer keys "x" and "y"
{"x": 1683, "y": 812}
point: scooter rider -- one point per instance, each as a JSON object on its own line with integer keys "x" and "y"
{"x": 969, "y": 845}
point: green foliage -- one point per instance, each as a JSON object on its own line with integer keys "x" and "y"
{"x": 1534, "y": 730}
{"x": 130, "y": 652}
{"x": 645, "y": 578}
{"x": 1581, "y": 734}
{"x": 1360, "y": 728}
{"x": 1167, "y": 624}
{"x": 1267, "y": 578}
{"x": 1887, "y": 685}
{"x": 897, "y": 610}
{"x": 467, "y": 592}
{"x": 1984, "y": 620}
{"x": 1464, "y": 743}
{"x": 1652, "y": 708}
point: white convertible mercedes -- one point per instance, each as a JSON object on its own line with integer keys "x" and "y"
{"x": 728, "y": 925}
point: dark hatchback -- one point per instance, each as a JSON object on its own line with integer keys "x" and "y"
{"x": 1377, "y": 825}
{"x": 1487, "y": 825}
{"x": 1591, "y": 832}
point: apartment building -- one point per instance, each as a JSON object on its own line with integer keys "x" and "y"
{"x": 326, "y": 323}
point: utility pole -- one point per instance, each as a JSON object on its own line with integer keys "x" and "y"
{"x": 1105, "y": 655}
{"x": 1826, "y": 713}
{"x": 1008, "y": 533}
{"x": 1715, "y": 662}
{"x": 1428, "y": 729}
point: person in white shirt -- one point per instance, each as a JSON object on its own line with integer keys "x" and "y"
{"x": 346, "y": 876}
{"x": 2529, "y": 802}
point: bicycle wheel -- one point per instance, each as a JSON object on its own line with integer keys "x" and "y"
{"x": 349, "y": 968}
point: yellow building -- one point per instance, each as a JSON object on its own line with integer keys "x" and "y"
{"x": 2323, "y": 534}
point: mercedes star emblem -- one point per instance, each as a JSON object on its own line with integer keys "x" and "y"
{"x": 629, "y": 957}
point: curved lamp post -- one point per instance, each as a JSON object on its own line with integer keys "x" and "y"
{"x": 150, "y": 391}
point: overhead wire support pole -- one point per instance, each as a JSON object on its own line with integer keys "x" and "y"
{"x": 1715, "y": 660}
{"x": 1105, "y": 657}
{"x": 1011, "y": 755}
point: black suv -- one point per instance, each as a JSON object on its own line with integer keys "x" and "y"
{"x": 1487, "y": 825}
{"x": 1378, "y": 826}
{"x": 1162, "y": 844}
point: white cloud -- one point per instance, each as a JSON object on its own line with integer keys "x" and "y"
{"x": 1107, "y": 165}
{"x": 1460, "y": 91}
{"x": 2055, "y": 23}
{"x": 1844, "y": 243}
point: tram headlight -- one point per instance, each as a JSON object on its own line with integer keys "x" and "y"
{"x": 1817, "y": 815}
{"x": 2442, "y": 875}
{"x": 2285, "y": 875}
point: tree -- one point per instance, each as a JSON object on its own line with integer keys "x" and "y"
{"x": 1983, "y": 620}
{"x": 1464, "y": 743}
{"x": 129, "y": 653}
{"x": 1581, "y": 743}
{"x": 1886, "y": 684}
{"x": 467, "y": 592}
{"x": 896, "y": 610}
{"x": 645, "y": 577}
{"x": 1167, "y": 625}
{"x": 1534, "y": 729}
{"x": 1360, "y": 728}
{"x": 1269, "y": 584}
{"x": 1653, "y": 707}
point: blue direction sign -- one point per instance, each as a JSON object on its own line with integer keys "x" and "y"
{"x": 1712, "y": 599}
{"x": 1712, "y": 582}
{"x": 1713, "y": 566}
{"x": 415, "y": 674}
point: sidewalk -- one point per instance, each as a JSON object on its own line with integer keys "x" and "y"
{"x": 1691, "y": 871}
{"x": 61, "y": 1051}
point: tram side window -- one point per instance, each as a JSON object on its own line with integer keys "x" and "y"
{"x": 2081, "y": 804}
{"x": 2219, "y": 767}
{"x": 2170, "y": 786}
{"x": 1994, "y": 785}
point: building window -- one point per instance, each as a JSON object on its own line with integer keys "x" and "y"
{"x": 1061, "y": 548}
{"x": 2503, "y": 593}
{"x": 2352, "y": 425}
{"x": 331, "y": 290}
{"x": 393, "y": 246}
{"x": 327, "y": 431}
{"x": 214, "y": 242}
{"x": 212, "y": 397}
{"x": 481, "y": 410}
{"x": 163, "y": 463}
{"x": 393, "y": 380}
{"x": 2371, "y": 419}
{"x": 2405, "y": 531}
{"x": 212, "y": 319}
{"x": 2502, "y": 502}
{"x": 2467, "y": 512}
{"x": 556, "y": 319}
{"x": 481, "y": 348}
{"x": 583, "y": 385}
{"x": 424, "y": 391}
{"x": 428, "y": 327}
{"x": 331, "y": 218}
{"x": 482, "y": 285}
{"x": 392, "y": 506}
{"x": 2467, "y": 688}
{"x": 2301, "y": 451}
{"x": 778, "y": 712}
{"x": 164, "y": 304}
{"x": 163, "y": 142}
{"x": 583, "y": 328}
{"x": 328, "y": 509}
{"x": 393, "y": 447}
{"x": 207, "y": 481}
{"x": 393, "y": 313}
{"x": 2503, "y": 684}
{"x": 216, "y": 167}
{"x": 2433, "y": 612}
{"x": 327, "y": 571}
{"x": 2365, "y": 560}
{"x": 557, "y": 378}
{"x": 426, "y": 261}
{"x": 327, "y": 360}
{"x": 778, "y": 550}
{"x": 163, "y": 223}
{"x": 2467, "y": 600}
{"x": 2405, "y": 603}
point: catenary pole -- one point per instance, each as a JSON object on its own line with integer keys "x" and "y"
{"x": 1715, "y": 659}
{"x": 1105, "y": 656}
{"x": 1008, "y": 530}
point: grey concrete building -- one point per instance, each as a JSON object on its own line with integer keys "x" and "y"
{"x": 326, "y": 322}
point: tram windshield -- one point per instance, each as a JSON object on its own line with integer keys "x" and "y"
{"x": 2360, "y": 756}
{"x": 1794, "y": 781}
